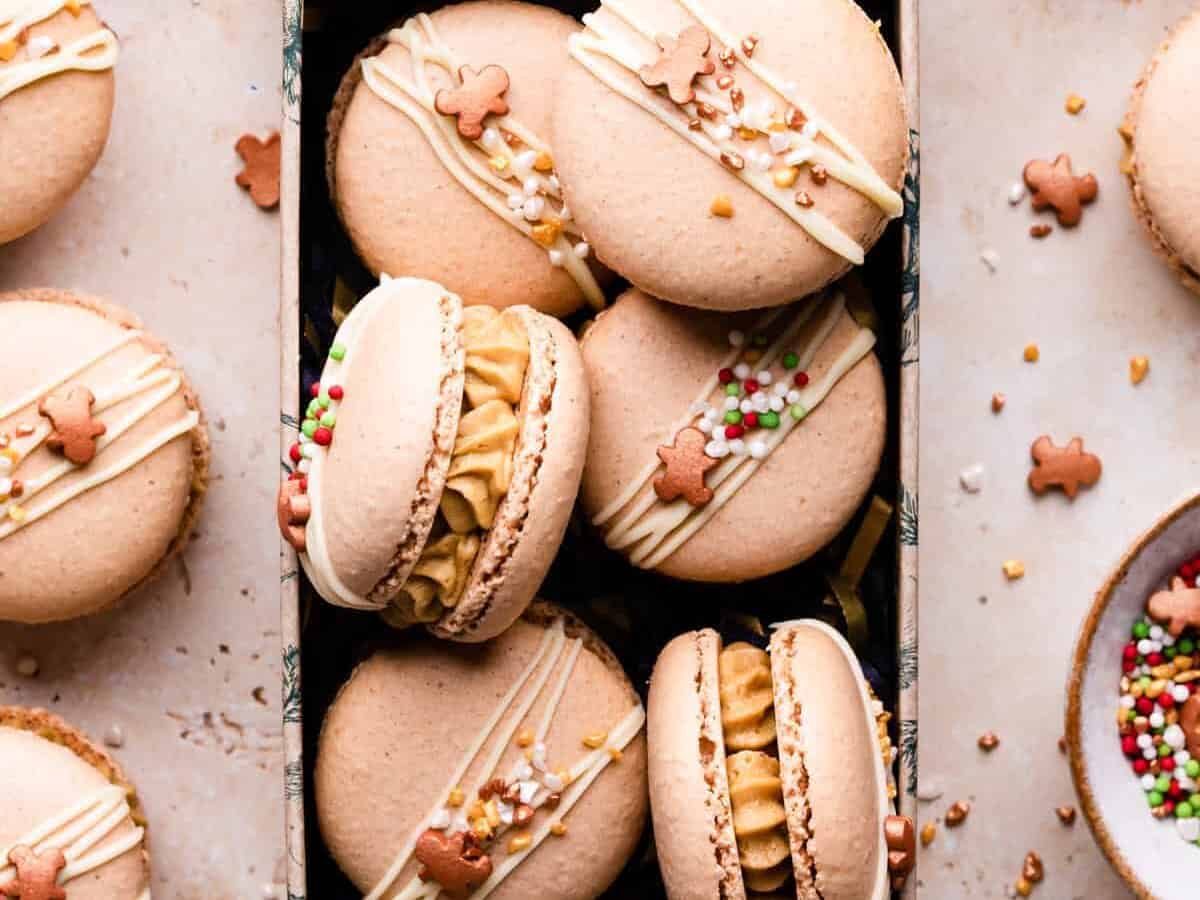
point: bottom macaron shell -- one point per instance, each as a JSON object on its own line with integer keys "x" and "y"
{"x": 101, "y": 536}
{"x": 533, "y": 516}
{"x": 404, "y": 723}
{"x": 48, "y": 769}
{"x": 646, "y": 362}
{"x": 54, "y": 132}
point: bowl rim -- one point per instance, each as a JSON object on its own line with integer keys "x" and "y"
{"x": 1083, "y": 646}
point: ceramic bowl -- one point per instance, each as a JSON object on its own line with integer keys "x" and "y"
{"x": 1147, "y": 853}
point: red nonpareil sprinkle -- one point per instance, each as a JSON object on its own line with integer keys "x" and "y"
{"x": 294, "y": 453}
{"x": 1166, "y": 701}
{"x": 315, "y": 390}
{"x": 1128, "y": 666}
{"x": 751, "y": 386}
{"x": 1167, "y": 763}
{"x": 1140, "y": 766}
{"x": 1145, "y": 706}
{"x": 725, "y": 376}
{"x": 733, "y": 431}
{"x": 750, "y": 420}
{"x": 1154, "y": 659}
{"x": 1130, "y": 651}
{"x": 1129, "y": 745}
{"x": 801, "y": 379}
{"x": 336, "y": 392}
{"x": 322, "y": 436}
{"x": 304, "y": 484}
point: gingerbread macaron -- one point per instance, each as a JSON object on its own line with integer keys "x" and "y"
{"x": 725, "y": 448}
{"x": 104, "y": 455}
{"x": 731, "y": 155}
{"x": 56, "y": 103}
{"x": 770, "y": 771}
{"x": 509, "y": 770}
{"x": 71, "y": 819}
{"x": 438, "y": 460}
{"x": 439, "y": 159}
{"x": 1162, "y": 131}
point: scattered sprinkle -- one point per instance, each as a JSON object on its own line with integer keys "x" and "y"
{"x": 456, "y": 798}
{"x": 1075, "y": 104}
{"x": 990, "y": 258}
{"x": 998, "y": 401}
{"x": 558, "y": 829}
{"x": 519, "y": 843}
{"x": 114, "y": 737}
{"x": 988, "y": 741}
{"x": 928, "y": 833}
{"x": 1066, "y": 815}
{"x": 1016, "y": 193}
{"x": 1013, "y": 569}
{"x": 1032, "y": 353}
{"x": 1040, "y": 231}
{"x": 27, "y": 665}
{"x": 1139, "y": 368}
{"x": 596, "y": 740}
{"x": 722, "y": 206}
{"x": 957, "y": 813}
{"x": 971, "y": 478}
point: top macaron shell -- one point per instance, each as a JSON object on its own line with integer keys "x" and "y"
{"x": 398, "y": 728}
{"x": 47, "y": 768}
{"x": 98, "y": 545}
{"x": 54, "y": 131}
{"x": 642, "y": 193}
{"x": 405, "y": 212}
{"x": 1166, "y": 149}
{"x": 645, "y": 362}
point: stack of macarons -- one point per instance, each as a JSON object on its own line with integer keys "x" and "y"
{"x": 497, "y": 167}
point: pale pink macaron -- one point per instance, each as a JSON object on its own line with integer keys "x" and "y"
{"x": 439, "y": 460}
{"x": 747, "y": 187}
{"x": 483, "y": 214}
{"x": 532, "y": 744}
{"x": 1162, "y": 129}
{"x": 56, "y": 104}
{"x": 774, "y": 423}
{"x": 770, "y": 771}
{"x": 63, "y": 793}
{"x": 104, "y": 456}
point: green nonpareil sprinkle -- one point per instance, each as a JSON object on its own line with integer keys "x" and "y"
{"x": 337, "y": 352}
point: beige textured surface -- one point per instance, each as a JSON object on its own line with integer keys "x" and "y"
{"x": 89, "y": 552}
{"x": 161, "y": 226}
{"x": 1166, "y": 147}
{"x": 405, "y": 212}
{"x": 54, "y": 131}
{"x": 381, "y": 767}
{"x": 1091, "y": 298}
{"x": 642, "y": 193}
{"x": 646, "y": 361}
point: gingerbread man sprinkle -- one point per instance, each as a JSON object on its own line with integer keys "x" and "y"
{"x": 479, "y": 95}
{"x": 37, "y": 875}
{"x": 1055, "y": 185}
{"x": 75, "y": 431}
{"x": 679, "y": 63}
{"x": 686, "y": 464}
{"x": 1179, "y": 607}
{"x": 458, "y": 866}
{"x": 1062, "y": 467}
{"x": 293, "y": 509}
{"x": 260, "y": 176}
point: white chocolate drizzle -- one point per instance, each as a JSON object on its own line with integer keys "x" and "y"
{"x": 78, "y": 832}
{"x": 93, "y": 52}
{"x": 647, "y": 529}
{"x": 146, "y": 386}
{"x": 841, "y": 159}
{"x": 517, "y": 192}
{"x": 554, "y": 650}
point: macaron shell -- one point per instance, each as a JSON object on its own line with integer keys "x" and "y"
{"x": 689, "y": 788}
{"x": 405, "y": 212}
{"x": 534, "y": 514}
{"x": 1167, "y": 149}
{"x": 835, "y": 788}
{"x": 40, "y": 778}
{"x": 646, "y": 361}
{"x": 642, "y": 193}
{"x": 54, "y": 132}
{"x": 379, "y": 487}
{"x": 98, "y": 546}
{"x": 397, "y": 730}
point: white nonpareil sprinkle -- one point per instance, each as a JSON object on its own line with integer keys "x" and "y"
{"x": 533, "y": 208}
{"x": 810, "y": 130}
{"x": 1189, "y": 829}
{"x": 781, "y": 388}
{"x": 736, "y": 338}
{"x": 761, "y": 402}
{"x": 929, "y": 789}
{"x": 114, "y": 737}
{"x": 793, "y": 396}
{"x": 1180, "y": 693}
{"x": 716, "y": 449}
{"x": 705, "y": 426}
{"x": 527, "y": 790}
{"x": 524, "y": 161}
{"x": 737, "y": 447}
{"x": 505, "y": 811}
{"x": 556, "y": 258}
{"x": 1156, "y": 719}
{"x": 1168, "y": 641}
{"x": 731, "y": 403}
{"x": 1144, "y": 741}
{"x": 1145, "y": 647}
{"x": 781, "y": 142}
{"x": 1128, "y": 701}
{"x": 990, "y": 258}
{"x": 1174, "y": 737}
{"x": 741, "y": 371}
{"x": 1150, "y": 753}
{"x": 724, "y": 132}
{"x": 698, "y": 408}
{"x": 712, "y": 414}
{"x": 440, "y": 820}
{"x": 40, "y": 46}
{"x": 582, "y": 249}
{"x": 530, "y": 186}
{"x": 763, "y": 160}
{"x": 1148, "y": 782}
{"x": 758, "y": 449}
{"x": 763, "y": 377}
{"x": 1182, "y": 757}
{"x": 1016, "y": 193}
{"x": 552, "y": 782}
{"x": 27, "y": 665}
{"x": 733, "y": 120}
{"x": 746, "y": 406}
{"x": 777, "y": 404}
{"x": 537, "y": 758}
{"x": 971, "y": 478}
{"x": 5, "y": 487}
{"x": 303, "y": 466}
{"x": 491, "y": 137}
{"x": 516, "y": 201}
{"x": 1156, "y": 633}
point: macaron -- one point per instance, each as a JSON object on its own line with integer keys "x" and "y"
{"x": 1162, "y": 131}
{"x": 731, "y": 155}
{"x": 438, "y": 158}
{"x": 56, "y": 104}
{"x": 438, "y": 460}
{"x": 104, "y": 455}
{"x": 725, "y": 448}
{"x": 511, "y": 769}
{"x": 70, "y": 816}
{"x": 769, "y": 771}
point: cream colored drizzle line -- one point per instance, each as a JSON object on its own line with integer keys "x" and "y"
{"x": 316, "y": 560}
{"x": 91, "y": 53}
{"x": 554, "y": 646}
{"x": 416, "y": 98}
{"x": 841, "y": 159}
{"x": 656, "y": 529}
{"x": 146, "y": 378}
{"x": 77, "y": 831}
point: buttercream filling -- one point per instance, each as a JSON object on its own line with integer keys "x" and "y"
{"x": 481, "y": 465}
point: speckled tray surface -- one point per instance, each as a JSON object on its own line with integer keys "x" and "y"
{"x": 635, "y": 612}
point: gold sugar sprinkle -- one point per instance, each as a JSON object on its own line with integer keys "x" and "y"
{"x": 722, "y": 206}
{"x": 525, "y": 738}
{"x": 988, "y": 741}
{"x": 519, "y": 843}
{"x": 74, "y": 7}
{"x": 456, "y": 798}
{"x": 786, "y": 177}
{"x": 615, "y": 754}
{"x": 1024, "y": 888}
{"x": 1013, "y": 569}
{"x": 558, "y": 829}
{"x": 8, "y": 49}
{"x": 1139, "y": 368}
{"x": 1075, "y": 104}
{"x": 998, "y": 401}
{"x": 499, "y": 163}
{"x": 746, "y": 133}
{"x": 548, "y": 232}
{"x": 16, "y": 513}
{"x": 928, "y": 833}
{"x": 596, "y": 740}
{"x": 1032, "y": 353}
{"x": 544, "y": 162}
